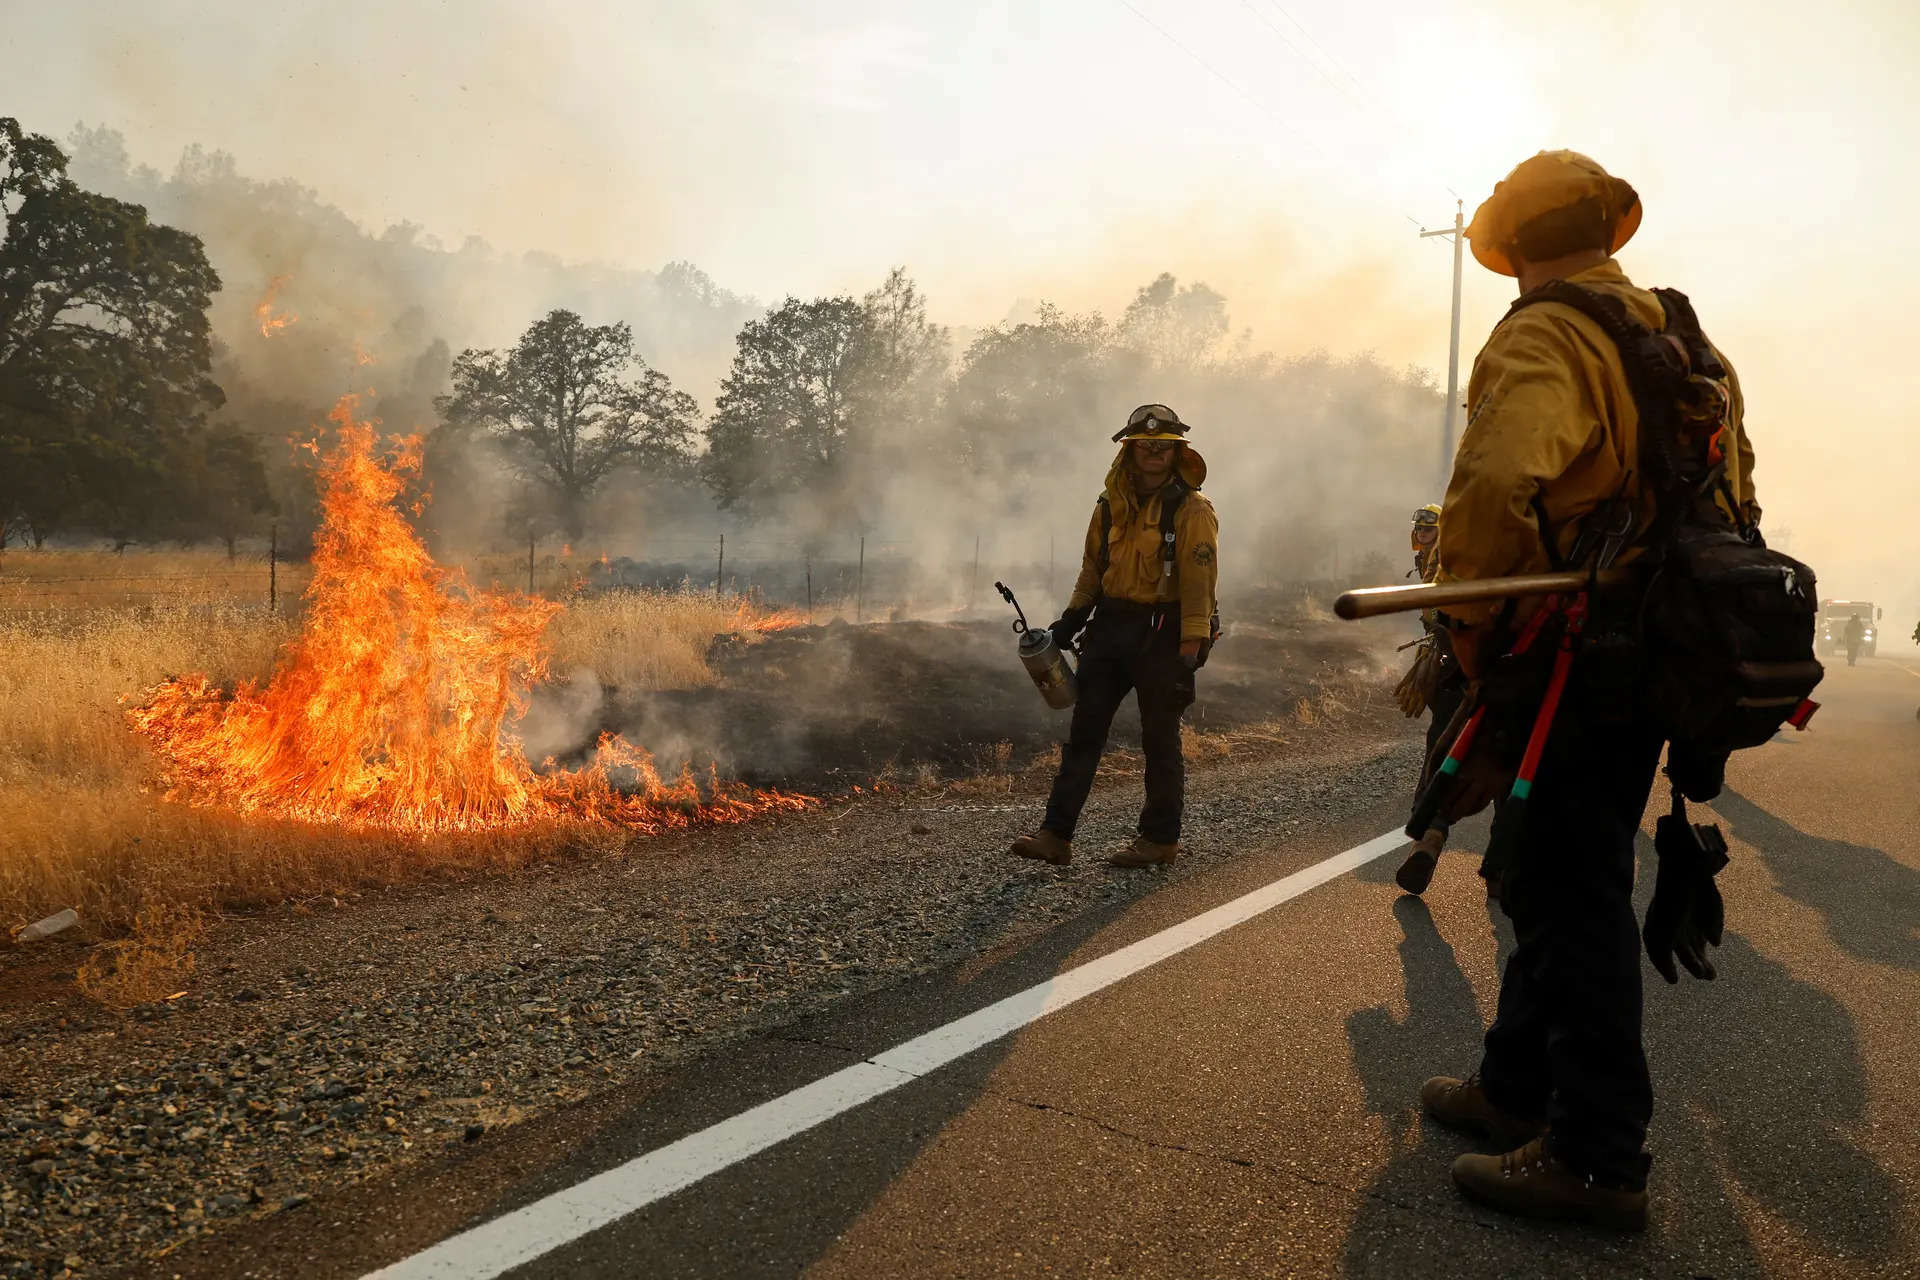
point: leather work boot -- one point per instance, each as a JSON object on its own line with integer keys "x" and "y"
{"x": 1462, "y": 1105}
{"x": 1144, "y": 853}
{"x": 1416, "y": 873}
{"x": 1534, "y": 1183}
{"x": 1043, "y": 846}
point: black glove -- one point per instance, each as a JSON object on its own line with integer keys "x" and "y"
{"x": 1686, "y": 914}
{"x": 1071, "y": 623}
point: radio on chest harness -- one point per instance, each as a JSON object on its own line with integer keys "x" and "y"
{"x": 1172, "y": 496}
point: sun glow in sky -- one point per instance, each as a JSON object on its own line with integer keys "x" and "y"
{"x": 1281, "y": 150}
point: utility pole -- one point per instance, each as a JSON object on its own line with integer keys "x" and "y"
{"x": 1459, "y": 233}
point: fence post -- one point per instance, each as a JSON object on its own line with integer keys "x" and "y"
{"x": 809, "y": 590}
{"x": 720, "y": 573}
{"x": 273, "y": 567}
{"x": 529, "y": 564}
{"x": 860, "y": 582}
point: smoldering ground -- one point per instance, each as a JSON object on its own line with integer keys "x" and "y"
{"x": 833, "y": 706}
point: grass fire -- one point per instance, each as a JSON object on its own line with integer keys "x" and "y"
{"x": 395, "y": 706}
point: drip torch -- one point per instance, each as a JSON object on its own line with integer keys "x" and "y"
{"x": 1052, "y": 673}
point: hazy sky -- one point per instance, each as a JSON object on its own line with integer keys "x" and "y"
{"x": 1070, "y": 149}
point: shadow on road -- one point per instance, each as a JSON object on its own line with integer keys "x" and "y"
{"x": 1871, "y": 900}
{"x": 1758, "y": 1082}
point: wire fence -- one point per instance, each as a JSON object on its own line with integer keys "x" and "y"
{"x": 859, "y": 577}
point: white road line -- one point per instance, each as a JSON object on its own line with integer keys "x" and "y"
{"x": 545, "y": 1225}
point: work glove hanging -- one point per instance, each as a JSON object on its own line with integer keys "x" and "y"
{"x": 1686, "y": 914}
{"x": 1069, "y": 625}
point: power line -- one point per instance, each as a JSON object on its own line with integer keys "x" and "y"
{"x": 1211, "y": 70}
{"x": 1367, "y": 103}
{"x": 1335, "y": 85}
{"x": 1243, "y": 94}
{"x": 1338, "y": 65}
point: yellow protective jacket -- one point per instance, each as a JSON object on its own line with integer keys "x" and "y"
{"x": 1550, "y": 416}
{"x": 1133, "y": 549}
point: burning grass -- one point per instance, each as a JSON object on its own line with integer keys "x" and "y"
{"x": 159, "y": 762}
{"x": 81, "y": 822}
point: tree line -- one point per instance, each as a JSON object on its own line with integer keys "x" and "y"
{"x": 832, "y": 409}
{"x": 105, "y": 355}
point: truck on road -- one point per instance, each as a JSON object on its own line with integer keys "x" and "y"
{"x": 1834, "y": 616}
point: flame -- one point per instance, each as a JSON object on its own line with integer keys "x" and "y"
{"x": 361, "y": 356}
{"x": 747, "y": 618}
{"x": 263, "y": 312}
{"x": 394, "y": 707}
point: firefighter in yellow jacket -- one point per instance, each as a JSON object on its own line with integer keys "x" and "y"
{"x": 1551, "y": 450}
{"x": 1145, "y": 600}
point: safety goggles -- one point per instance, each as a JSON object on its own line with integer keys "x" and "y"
{"x": 1424, "y": 518}
{"x": 1153, "y": 446}
{"x": 1152, "y": 422}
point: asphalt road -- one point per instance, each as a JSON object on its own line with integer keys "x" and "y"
{"x": 1247, "y": 1107}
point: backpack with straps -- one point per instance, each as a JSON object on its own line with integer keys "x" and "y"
{"x": 1726, "y": 623}
{"x": 1170, "y": 503}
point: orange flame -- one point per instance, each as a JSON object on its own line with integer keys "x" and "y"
{"x": 747, "y": 618}
{"x": 394, "y": 706}
{"x": 272, "y": 322}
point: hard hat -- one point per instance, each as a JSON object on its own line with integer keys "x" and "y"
{"x": 1552, "y": 193}
{"x": 1152, "y": 422}
{"x": 1429, "y": 514}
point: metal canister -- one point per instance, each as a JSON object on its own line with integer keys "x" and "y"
{"x": 1052, "y": 673}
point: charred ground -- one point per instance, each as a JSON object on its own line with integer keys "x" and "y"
{"x": 825, "y": 707}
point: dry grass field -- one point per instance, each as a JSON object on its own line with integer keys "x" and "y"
{"x": 82, "y": 820}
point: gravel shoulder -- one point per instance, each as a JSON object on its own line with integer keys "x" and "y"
{"x": 344, "y": 1040}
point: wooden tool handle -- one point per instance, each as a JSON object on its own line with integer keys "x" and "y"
{"x": 1371, "y": 602}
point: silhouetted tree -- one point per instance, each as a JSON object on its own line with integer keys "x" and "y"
{"x": 105, "y": 348}
{"x": 788, "y": 414}
{"x": 574, "y": 403}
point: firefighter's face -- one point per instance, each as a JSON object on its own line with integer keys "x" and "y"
{"x": 1152, "y": 458}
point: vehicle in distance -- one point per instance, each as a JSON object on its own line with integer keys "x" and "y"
{"x": 1834, "y": 616}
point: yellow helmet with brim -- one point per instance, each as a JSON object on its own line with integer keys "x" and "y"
{"x": 1552, "y": 198}
{"x": 1152, "y": 422}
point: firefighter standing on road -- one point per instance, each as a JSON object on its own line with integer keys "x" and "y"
{"x": 1856, "y": 639}
{"x": 1435, "y": 685}
{"x": 1145, "y": 599}
{"x": 1552, "y": 437}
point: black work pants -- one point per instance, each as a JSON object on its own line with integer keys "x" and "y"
{"x": 1565, "y": 1044}
{"x": 1122, "y": 651}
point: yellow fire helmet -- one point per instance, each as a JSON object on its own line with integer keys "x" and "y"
{"x": 1552, "y": 193}
{"x": 1428, "y": 515}
{"x": 1152, "y": 422}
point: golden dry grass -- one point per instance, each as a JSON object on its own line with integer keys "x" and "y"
{"x": 46, "y": 580}
{"x": 82, "y": 823}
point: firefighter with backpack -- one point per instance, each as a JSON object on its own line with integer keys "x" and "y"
{"x": 1144, "y": 612}
{"x": 1603, "y": 431}
{"x": 1432, "y": 684}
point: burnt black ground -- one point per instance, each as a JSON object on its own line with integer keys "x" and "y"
{"x": 816, "y": 707}
{"x": 1246, "y": 1108}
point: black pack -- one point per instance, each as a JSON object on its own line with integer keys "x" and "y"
{"x": 1726, "y": 623}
